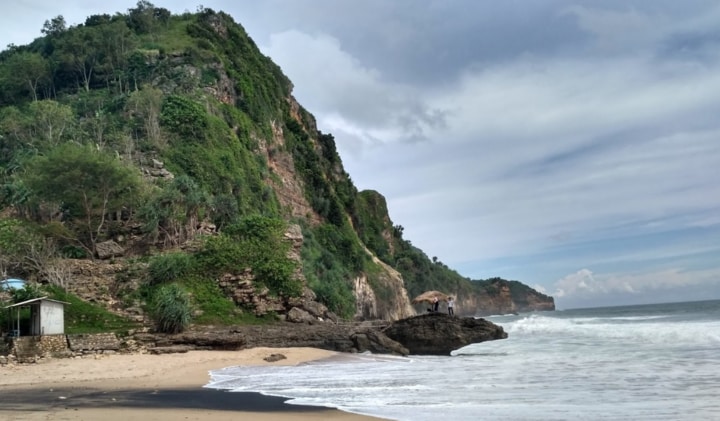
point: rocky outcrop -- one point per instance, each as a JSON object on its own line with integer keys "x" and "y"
{"x": 328, "y": 336}
{"x": 94, "y": 280}
{"x": 500, "y": 298}
{"x": 440, "y": 334}
{"x": 431, "y": 334}
{"x": 93, "y": 342}
{"x": 289, "y": 187}
{"x": 218, "y": 339}
{"x": 535, "y": 302}
{"x": 396, "y": 303}
{"x": 108, "y": 249}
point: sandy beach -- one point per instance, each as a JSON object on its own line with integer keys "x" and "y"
{"x": 149, "y": 387}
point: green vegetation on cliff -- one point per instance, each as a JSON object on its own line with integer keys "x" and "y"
{"x": 163, "y": 133}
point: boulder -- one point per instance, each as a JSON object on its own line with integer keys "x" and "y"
{"x": 377, "y": 343}
{"x": 274, "y": 358}
{"x": 440, "y": 334}
{"x": 108, "y": 249}
{"x": 296, "y": 315}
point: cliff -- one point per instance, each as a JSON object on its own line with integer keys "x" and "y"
{"x": 147, "y": 150}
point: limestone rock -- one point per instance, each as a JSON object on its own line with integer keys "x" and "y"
{"x": 440, "y": 334}
{"x": 93, "y": 342}
{"x": 330, "y": 336}
{"x": 108, "y": 249}
{"x": 431, "y": 334}
{"x": 378, "y": 343}
{"x": 274, "y": 357}
{"x": 296, "y": 315}
{"x": 174, "y": 349}
{"x": 205, "y": 339}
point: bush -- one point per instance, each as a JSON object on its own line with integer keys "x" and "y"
{"x": 168, "y": 267}
{"x": 183, "y": 116}
{"x": 171, "y": 309}
{"x": 256, "y": 242}
{"x": 327, "y": 276}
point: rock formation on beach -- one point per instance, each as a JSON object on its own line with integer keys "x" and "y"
{"x": 430, "y": 334}
{"x": 439, "y": 334}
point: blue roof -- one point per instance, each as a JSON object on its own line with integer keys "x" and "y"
{"x": 12, "y": 283}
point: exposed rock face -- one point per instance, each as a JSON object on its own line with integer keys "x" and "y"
{"x": 500, "y": 300}
{"x": 290, "y": 189}
{"x": 207, "y": 339}
{"x": 281, "y": 335}
{"x": 431, "y": 334}
{"x": 394, "y": 307}
{"x": 93, "y": 281}
{"x": 440, "y": 334}
{"x": 365, "y": 301}
{"x": 534, "y": 302}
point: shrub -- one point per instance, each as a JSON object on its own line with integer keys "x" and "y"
{"x": 171, "y": 309}
{"x": 168, "y": 267}
{"x": 183, "y": 116}
{"x": 255, "y": 242}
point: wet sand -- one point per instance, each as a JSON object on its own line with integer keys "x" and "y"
{"x": 150, "y": 387}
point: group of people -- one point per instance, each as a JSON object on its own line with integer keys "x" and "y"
{"x": 435, "y": 305}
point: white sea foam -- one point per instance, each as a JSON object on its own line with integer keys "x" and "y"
{"x": 632, "y": 331}
{"x": 553, "y": 366}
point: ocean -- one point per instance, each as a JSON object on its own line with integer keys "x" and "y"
{"x": 645, "y": 362}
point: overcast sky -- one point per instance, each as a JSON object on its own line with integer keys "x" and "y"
{"x": 571, "y": 145}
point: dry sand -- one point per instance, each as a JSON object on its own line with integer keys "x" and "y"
{"x": 150, "y": 387}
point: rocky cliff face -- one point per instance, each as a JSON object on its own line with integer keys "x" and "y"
{"x": 289, "y": 187}
{"x": 499, "y": 299}
{"x": 393, "y": 305}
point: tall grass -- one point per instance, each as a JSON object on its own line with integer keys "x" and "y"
{"x": 172, "y": 309}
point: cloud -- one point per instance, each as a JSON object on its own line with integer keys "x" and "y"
{"x": 347, "y": 96}
{"x": 544, "y": 152}
{"x": 624, "y": 30}
{"x": 664, "y": 27}
{"x": 578, "y": 283}
{"x": 583, "y": 286}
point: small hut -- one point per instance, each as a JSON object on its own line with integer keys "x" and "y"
{"x": 47, "y": 317}
{"x": 429, "y": 296}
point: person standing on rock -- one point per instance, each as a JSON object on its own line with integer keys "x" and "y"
{"x": 436, "y": 304}
{"x": 451, "y": 305}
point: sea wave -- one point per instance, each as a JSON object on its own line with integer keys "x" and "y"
{"x": 632, "y": 330}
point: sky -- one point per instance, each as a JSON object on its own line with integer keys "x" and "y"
{"x": 570, "y": 145}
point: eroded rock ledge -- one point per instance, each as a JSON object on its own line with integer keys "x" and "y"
{"x": 430, "y": 334}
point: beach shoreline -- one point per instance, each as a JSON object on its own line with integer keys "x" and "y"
{"x": 151, "y": 387}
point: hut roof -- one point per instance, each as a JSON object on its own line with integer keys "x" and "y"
{"x": 28, "y": 302}
{"x": 428, "y": 296}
